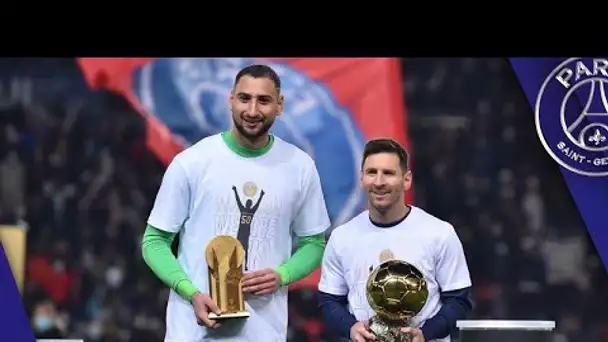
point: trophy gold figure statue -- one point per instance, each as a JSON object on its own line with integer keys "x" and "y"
{"x": 225, "y": 257}
{"x": 396, "y": 291}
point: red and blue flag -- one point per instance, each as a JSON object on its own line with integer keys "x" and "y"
{"x": 332, "y": 106}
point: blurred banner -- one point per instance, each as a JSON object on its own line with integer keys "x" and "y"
{"x": 333, "y": 105}
{"x": 13, "y": 239}
{"x": 14, "y": 322}
{"x": 568, "y": 96}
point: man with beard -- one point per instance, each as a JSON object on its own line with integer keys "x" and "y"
{"x": 392, "y": 229}
{"x": 249, "y": 184}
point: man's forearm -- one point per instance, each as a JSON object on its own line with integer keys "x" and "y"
{"x": 456, "y": 306}
{"x": 156, "y": 251}
{"x": 304, "y": 261}
{"x": 334, "y": 310}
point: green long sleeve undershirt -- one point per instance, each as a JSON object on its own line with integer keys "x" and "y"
{"x": 156, "y": 251}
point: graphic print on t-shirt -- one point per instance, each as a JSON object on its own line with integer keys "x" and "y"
{"x": 247, "y": 210}
{"x": 358, "y": 278}
{"x": 384, "y": 256}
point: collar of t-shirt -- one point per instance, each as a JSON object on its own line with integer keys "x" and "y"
{"x": 243, "y": 151}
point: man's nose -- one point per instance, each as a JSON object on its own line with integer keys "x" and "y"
{"x": 379, "y": 180}
{"x": 253, "y": 107}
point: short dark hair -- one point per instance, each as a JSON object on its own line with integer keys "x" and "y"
{"x": 259, "y": 71}
{"x": 383, "y": 145}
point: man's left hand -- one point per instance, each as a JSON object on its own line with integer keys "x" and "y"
{"x": 261, "y": 282}
{"x": 415, "y": 333}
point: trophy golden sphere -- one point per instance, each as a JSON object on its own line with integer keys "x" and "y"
{"x": 396, "y": 291}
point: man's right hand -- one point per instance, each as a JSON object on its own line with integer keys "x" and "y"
{"x": 360, "y": 332}
{"x": 203, "y": 305}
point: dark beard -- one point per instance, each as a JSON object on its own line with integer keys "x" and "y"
{"x": 381, "y": 210}
{"x": 253, "y": 137}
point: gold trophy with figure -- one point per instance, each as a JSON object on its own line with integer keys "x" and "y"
{"x": 225, "y": 258}
{"x": 396, "y": 291}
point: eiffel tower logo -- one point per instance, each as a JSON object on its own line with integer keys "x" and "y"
{"x": 590, "y": 128}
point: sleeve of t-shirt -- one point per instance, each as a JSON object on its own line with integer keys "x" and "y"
{"x": 332, "y": 273}
{"x": 171, "y": 206}
{"x": 312, "y": 217}
{"x": 452, "y": 269}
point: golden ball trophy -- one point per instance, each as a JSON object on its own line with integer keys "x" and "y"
{"x": 225, "y": 256}
{"x": 396, "y": 291}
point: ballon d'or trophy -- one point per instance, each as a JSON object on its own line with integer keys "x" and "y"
{"x": 396, "y": 291}
{"x": 225, "y": 256}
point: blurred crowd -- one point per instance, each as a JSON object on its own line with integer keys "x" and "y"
{"x": 76, "y": 172}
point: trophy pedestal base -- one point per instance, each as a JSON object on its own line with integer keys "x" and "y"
{"x": 387, "y": 331}
{"x": 231, "y": 315}
{"x": 505, "y": 331}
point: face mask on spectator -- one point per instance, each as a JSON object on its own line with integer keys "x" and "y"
{"x": 43, "y": 323}
{"x": 94, "y": 330}
{"x": 114, "y": 276}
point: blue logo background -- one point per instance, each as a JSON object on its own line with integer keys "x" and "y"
{"x": 572, "y": 117}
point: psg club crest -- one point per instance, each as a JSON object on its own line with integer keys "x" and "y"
{"x": 572, "y": 115}
{"x": 190, "y": 97}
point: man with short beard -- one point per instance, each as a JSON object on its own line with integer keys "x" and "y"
{"x": 391, "y": 229}
{"x": 249, "y": 184}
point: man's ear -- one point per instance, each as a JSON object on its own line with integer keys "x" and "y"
{"x": 407, "y": 180}
{"x": 280, "y": 104}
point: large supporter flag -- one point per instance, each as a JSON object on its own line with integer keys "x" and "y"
{"x": 333, "y": 105}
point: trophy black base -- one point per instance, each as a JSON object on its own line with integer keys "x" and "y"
{"x": 505, "y": 336}
{"x": 387, "y": 331}
{"x": 231, "y": 315}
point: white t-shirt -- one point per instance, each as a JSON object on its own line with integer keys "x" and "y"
{"x": 428, "y": 243}
{"x": 197, "y": 198}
